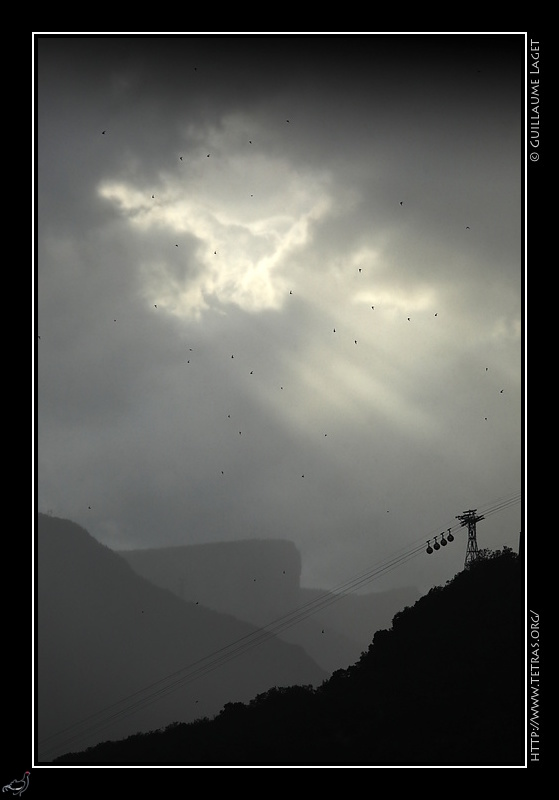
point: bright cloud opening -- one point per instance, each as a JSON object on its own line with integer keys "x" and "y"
{"x": 239, "y": 241}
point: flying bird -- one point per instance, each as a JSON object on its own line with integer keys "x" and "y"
{"x": 103, "y": 131}
{"x": 180, "y": 158}
{"x": 401, "y": 202}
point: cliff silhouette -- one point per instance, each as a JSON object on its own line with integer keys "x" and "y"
{"x": 443, "y": 686}
{"x": 116, "y": 654}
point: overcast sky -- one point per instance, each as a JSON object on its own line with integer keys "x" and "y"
{"x": 278, "y": 290}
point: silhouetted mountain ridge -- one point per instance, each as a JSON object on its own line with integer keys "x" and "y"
{"x": 444, "y": 686}
{"x": 110, "y": 641}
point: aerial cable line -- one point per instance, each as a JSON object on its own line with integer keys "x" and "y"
{"x": 215, "y": 660}
{"x": 501, "y": 504}
{"x": 254, "y": 639}
{"x": 292, "y": 618}
{"x": 262, "y": 634}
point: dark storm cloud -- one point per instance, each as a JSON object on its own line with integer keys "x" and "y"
{"x": 313, "y": 143}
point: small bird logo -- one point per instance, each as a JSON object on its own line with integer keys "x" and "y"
{"x": 17, "y": 787}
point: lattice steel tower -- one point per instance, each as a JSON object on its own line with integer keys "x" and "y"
{"x": 470, "y": 518}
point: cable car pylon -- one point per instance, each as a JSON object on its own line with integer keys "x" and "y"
{"x": 470, "y": 518}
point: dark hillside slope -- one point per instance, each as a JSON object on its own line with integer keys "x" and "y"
{"x": 443, "y": 687}
{"x": 105, "y": 634}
